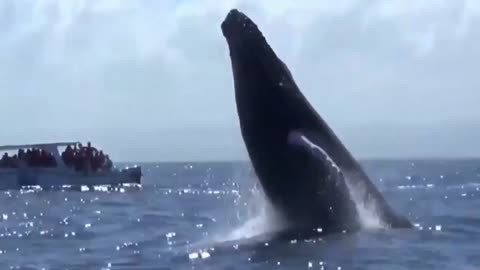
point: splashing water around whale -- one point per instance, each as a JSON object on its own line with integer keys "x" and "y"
{"x": 260, "y": 218}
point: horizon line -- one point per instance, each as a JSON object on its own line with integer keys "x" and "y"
{"x": 464, "y": 158}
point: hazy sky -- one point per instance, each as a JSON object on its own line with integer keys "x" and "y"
{"x": 151, "y": 80}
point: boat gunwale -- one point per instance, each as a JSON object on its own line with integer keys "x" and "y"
{"x": 36, "y": 145}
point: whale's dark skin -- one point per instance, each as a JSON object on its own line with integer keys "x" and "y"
{"x": 293, "y": 151}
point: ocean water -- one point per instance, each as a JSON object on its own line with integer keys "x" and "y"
{"x": 212, "y": 216}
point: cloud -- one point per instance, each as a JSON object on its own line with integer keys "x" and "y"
{"x": 151, "y": 79}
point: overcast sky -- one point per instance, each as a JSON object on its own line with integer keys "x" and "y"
{"x": 151, "y": 80}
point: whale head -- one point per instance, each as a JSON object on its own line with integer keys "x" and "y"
{"x": 269, "y": 103}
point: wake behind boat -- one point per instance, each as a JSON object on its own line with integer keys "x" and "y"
{"x": 42, "y": 165}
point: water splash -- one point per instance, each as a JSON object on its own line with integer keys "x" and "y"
{"x": 260, "y": 218}
{"x": 366, "y": 208}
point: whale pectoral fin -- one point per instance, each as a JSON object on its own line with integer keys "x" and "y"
{"x": 329, "y": 183}
{"x": 301, "y": 141}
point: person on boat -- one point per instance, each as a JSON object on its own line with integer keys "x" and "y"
{"x": 86, "y": 163}
{"x": 89, "y": 150}
{"x": 5, "y": 160}
{"x": 14, "y": 161}
{"x": 21, "y": 158}
{"x": 108, "y": 163}
{"x": 68, "y": 156}
{"x": 64, "y": 156}
{"x": 75, "y": 156}
{"x": 100, "y": 161}
{"x": 89, "y": 155}
{"x": 93, "y": 161}
{"x": 28, "y": 156}
{"x": 21, "y": 154}
{"x": 34, "y": 158}
{"x": 78, "y": 161}
{"x": 42, "y": 158}
{"x": 51, "y": 161}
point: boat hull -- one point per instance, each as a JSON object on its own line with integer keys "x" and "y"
{"x": 55, "y": 177}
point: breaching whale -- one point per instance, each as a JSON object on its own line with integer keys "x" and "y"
{"x": 304, "y": 169}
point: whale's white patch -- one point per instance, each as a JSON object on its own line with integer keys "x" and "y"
{"x": 295, "y": 136}
{"x": 318, "y": 148}
{"x": 366, "y": 208}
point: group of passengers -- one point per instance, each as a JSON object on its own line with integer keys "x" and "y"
{"x": 32, "y": 158}
{"x": 86, "y": 159}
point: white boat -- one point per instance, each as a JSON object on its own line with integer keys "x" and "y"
{"x": 61, "y": 175}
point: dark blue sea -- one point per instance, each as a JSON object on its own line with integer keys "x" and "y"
{"x": 211, "y": 216}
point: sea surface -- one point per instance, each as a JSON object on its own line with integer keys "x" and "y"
{"x": 212, "y": 216}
